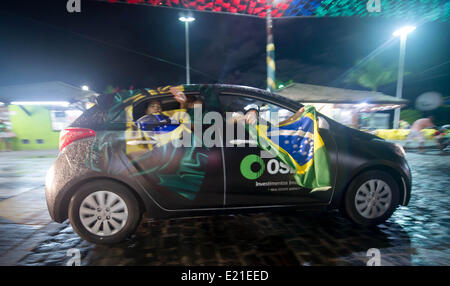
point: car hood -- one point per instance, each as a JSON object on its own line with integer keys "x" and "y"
{"x": 340, "y": 129}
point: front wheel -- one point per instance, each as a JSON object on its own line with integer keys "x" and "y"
{"x": 104, "y": 212}
{"x": 371, "y": 198}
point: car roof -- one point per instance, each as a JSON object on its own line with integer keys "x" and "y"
{"x": 130, "y": 96}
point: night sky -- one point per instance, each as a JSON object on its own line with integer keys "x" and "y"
{"x": 131, "y": 45}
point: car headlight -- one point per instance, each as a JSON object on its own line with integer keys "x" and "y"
{"x": 400, "y": 150}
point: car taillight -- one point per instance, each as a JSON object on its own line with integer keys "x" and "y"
{"x": 70, "y": 135}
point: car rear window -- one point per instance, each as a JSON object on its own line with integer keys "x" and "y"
{"x": 93, "y": 118}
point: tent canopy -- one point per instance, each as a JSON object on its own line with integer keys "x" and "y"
{"x": 308, "y": 93}
{"x": 43, "y": 91}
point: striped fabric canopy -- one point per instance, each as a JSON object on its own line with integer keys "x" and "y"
{"x": 428, "y": 10}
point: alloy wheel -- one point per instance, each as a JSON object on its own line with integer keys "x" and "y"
{"x": 373, "y": 198}
{"x": 103, "y": 213}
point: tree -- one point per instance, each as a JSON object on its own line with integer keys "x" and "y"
{"x": 410, "y": 115}
{"x": 373, "y": 74}
{"x": 109, "y": 89}
{"x": 280, "y": 84}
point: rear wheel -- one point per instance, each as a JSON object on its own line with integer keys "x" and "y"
{"x": 371, "y": 198}
{"x": 104, "y": 212}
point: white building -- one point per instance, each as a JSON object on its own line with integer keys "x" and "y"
{"x": 355, "y": 108}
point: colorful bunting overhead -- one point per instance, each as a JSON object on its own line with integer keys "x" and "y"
{"x": 430, "y": 10}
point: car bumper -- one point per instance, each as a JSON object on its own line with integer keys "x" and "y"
{"x": 407, "y": 183}
{"x": 50, "y": 193}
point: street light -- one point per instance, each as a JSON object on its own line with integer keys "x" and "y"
{"x": 52, "y": 103}
{"x": 186, "y": 21}
{"x": 85, "y": 87}
{"x": 403, "y": 34}
{"x": 403, "y": 31}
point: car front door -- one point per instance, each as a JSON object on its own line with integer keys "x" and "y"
{"x": 254, "y": 177}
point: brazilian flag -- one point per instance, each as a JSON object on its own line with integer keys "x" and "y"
{"x": 299, "y": 145}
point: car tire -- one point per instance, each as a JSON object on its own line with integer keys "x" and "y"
{"x": 371, "y": 198}
{"x": 113, "y": 219}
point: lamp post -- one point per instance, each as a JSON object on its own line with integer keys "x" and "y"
{"x": 270, "y": 47}
{"x": 403, "y": 34}
{"x": 270, "y": 50}
{"x": 186, "y": 21}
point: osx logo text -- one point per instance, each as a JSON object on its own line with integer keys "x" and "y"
{"x": 273, "y": 167}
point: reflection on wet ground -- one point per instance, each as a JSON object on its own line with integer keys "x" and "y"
{"x": 259, "y": 239}
{"x": 415, "y": 235}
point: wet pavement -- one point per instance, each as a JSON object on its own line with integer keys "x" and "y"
{"x": 415, "y": 235}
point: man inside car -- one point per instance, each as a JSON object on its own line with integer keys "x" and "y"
{"x": 153, "y": 119}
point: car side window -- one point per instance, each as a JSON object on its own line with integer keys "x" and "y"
{"x": 267, "y": 111}
{"x": 168, "y": 106}
{"x": 323, "y": 123}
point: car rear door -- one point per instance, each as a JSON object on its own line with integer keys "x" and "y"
{"x": 176, "y": 177}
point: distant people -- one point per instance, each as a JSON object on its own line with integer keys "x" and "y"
{"x": 442, "y": 136}
{"x": 416, "y": 133}
{"x": 5, "y": 135}
{"x": 404, "y": 124}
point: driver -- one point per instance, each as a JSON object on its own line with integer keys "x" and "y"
{"x": 252, "y": 113}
